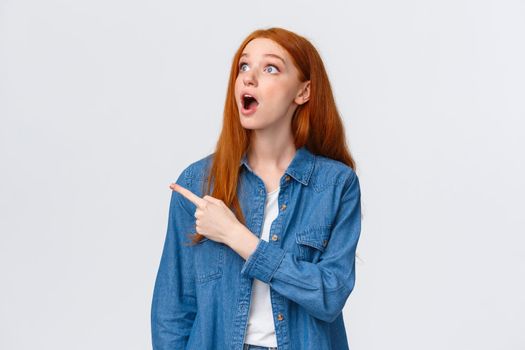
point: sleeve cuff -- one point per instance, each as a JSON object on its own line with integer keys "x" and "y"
{"x": 263, "y": 262}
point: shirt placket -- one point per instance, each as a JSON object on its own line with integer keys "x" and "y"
{"x": 281, "y": 329}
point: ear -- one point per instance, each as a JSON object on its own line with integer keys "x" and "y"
{"x": 304, "y": 93}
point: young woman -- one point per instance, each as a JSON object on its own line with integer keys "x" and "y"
{"x": 275, "y": 212}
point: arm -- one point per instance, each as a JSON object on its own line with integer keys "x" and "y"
{"x": 321, "y": 288}
{"x": 173, "y": 307}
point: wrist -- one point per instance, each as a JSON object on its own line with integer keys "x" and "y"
{"x": 235, "y": 234}
{"x": 243, "y": 241}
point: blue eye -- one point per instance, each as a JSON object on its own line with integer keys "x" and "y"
{"x": 244, "y": 63}
{"x": 271, "y": 65}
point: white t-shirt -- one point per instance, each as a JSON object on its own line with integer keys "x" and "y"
{"x": 261, "y": 328}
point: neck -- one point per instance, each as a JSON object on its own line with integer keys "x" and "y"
{"x": 270, "y": 154}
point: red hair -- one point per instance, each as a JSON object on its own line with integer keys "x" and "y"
{"x": 316, "y": 124}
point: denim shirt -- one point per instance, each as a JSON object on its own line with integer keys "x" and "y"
{"x": 201, "y": 296}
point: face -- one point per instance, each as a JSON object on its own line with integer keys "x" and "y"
{"x": 266, "y": 72}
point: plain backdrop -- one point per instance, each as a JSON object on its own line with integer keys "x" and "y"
{"x": 103, "y": 103}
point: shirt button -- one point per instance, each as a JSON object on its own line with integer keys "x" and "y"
{"x": 274, "y": 237}
{"x": 287, "y": 178}
{"x": 280, "y": 317}
{"x": 283, "y": 207}
{"x": 325, "y": 242}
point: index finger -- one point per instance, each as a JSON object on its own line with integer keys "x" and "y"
{"x": 198, "y": 201}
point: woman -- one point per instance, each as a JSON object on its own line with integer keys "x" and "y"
{"x": 276, "y": 210}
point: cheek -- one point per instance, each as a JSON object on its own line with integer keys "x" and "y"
{"x": 236, "y": 88}
{"x": 278, "y": 96}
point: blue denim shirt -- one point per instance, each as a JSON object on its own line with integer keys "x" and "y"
{"x": 202, "y": 294}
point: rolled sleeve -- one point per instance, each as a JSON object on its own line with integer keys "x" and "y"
{"x": 263, "y": 262}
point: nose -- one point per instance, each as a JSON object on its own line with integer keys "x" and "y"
{"x": 249, "y": 78}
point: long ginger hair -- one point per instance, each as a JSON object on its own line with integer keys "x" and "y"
{"x": 316, "y": 124}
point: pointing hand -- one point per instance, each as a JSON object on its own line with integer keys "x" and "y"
{"x": 213, "y": 218}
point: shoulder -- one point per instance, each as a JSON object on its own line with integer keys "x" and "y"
{"x": 196, "y": 171}
{"x": 191, "y": 177}
{"x": 331, "y": 172}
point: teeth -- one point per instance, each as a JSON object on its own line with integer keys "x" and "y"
{"x": 245, "y": 97}
{"x": 244, "y": 100}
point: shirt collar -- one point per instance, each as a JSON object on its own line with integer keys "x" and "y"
{"x": 300, "y": 168}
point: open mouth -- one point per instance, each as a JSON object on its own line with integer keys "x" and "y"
{"x": 249, "y": 102}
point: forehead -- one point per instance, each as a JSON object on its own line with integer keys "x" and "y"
{"x": 260, "y": 46}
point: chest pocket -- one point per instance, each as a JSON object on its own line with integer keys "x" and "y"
{"x": 312, "y": 242}
{"x": 209, "y": 259}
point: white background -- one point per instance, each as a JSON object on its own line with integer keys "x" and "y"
{"x": 103, "y": 103}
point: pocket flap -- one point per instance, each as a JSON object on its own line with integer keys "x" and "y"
{"x": 316, "y": 237}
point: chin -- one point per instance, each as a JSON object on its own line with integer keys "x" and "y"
{"x": 250, "y": 124}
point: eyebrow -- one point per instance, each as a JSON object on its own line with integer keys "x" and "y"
{"x": 269, "y": 55}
